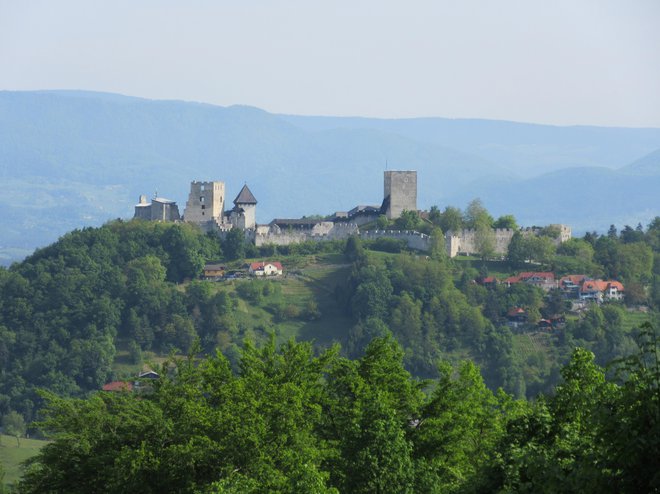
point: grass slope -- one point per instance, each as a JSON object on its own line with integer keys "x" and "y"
{"x": 308, "y": 279}
{"x": 12, "y": 455}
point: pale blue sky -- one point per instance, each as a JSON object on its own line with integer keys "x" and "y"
{"x": 560, "y": 62}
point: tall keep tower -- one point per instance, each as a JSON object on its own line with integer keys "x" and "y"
{"x": 400, "y": 193}
{"x": 206, "y": 202}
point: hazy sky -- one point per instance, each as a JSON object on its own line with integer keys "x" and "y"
{"x": 551, "y": 61}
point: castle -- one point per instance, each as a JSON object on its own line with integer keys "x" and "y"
{"x": 205, "y": 207}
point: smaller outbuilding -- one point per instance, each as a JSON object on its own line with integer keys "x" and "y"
{"x": 213, "y": 271}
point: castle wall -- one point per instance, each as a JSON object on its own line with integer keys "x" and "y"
{"x": 414, "y": 240}
{"x": 164, "y": 211}
{"x": 142, "y": 212}
{"x": 401, "y": 189}
{"x": 322, "y": 232}
{"x": 465, "y": 241}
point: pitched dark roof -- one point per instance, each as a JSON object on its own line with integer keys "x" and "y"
{"x": 245, "y": 196}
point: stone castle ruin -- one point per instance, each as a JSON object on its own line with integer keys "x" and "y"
{"x": 400, "y": 193}
{"x": 206, "y": 204}
{"x": 205, "y": 207}
{"x": 159, "y": 209}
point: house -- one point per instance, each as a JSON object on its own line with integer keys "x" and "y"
{"x": 544, "y": 280}
{"x": 545, "y": 324}
{"x": 516, "y": 317}
{"x": 614, "y": 290}
{"x": 570, "y": 285}
{"x": 266, "y": 268}
{"x": 118, "y": 386}
{"x": 511, "y": 280}
{"x": 213, "y": 271}
{"x": 488, "y": 281}
{"x": 599, "y": 290}
{"x": 148, "y": 374}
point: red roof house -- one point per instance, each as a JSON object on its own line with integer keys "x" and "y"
{"x": 118, "y": 386}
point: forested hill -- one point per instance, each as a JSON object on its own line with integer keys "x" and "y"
{"x": 269, "y": 414}
{"x": 70, "y": 159}
{"x": 91, "y": 307}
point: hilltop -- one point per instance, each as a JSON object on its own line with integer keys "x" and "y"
{"x": 70, "y": 159}
{"x": 96, "y": 305}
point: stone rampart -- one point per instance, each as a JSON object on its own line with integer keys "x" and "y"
{"x": 322, "y": 232}
{"x": 465, "y": 241}
{"x": 414, "y": 240}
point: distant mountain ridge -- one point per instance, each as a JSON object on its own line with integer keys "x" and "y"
{"x": 70, "y": 159}
{"x": 648, "y": 165}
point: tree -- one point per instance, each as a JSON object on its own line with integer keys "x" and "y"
{"x": 635, "y": 262}
{"x": 506, "y": 221}
{"x": 185, "y": 248}
{"x": 630, "y": 424}
{"x": 516, "y": 252}
{"x": 354, "y": 250}
{"x": 234, "y": 244}
{"x": 438, "y": 248}
{"x": 204, "y": 427}
{"x": 13, "y": 424}
{"x": 477, "y": 216}
{"x": 629, "y": 236}
{"x": 370, "y": 403}
{"x": 382, "y": 222}
{"x": 484, "y": 239}
{"x": 532, "y": 248}
{"x": 409, "y": 220}
{"x": 435, "y": 216}
{"x": 456, "y": 428}
{"x": 540, "y": 248}
{"x": 451, "y": 220}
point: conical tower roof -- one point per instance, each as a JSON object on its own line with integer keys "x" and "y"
{"x": 245, "y": 196}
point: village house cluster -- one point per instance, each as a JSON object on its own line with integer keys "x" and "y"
{"x": 572, "y": 286}
{"x": 579, "y": 289}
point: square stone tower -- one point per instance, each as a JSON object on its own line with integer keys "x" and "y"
{"x": 400, "y": 192}
{"x": 206, "y": 202}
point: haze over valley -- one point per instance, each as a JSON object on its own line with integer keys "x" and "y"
{"x": 71, "y": 159}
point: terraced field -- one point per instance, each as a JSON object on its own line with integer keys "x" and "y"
{"x": 526, "y": 345}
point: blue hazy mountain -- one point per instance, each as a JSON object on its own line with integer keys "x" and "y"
{"x": 647, "y": 165}
{"x": 70, "y": 159}
{"x": 524, "y": 149}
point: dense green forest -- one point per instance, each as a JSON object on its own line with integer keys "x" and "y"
{"x": 70, "y": 309}
{"x": 291, "y": 421}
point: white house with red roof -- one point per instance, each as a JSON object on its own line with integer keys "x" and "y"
{"x": 266, "y": 268}
{"x": 600, "y": 290}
